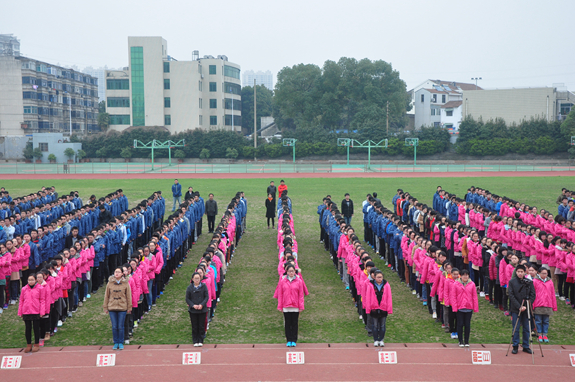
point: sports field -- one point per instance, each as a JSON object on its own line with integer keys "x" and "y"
{"x": 247, "y": 313}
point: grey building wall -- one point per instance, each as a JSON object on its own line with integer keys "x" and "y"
{"x": 12, "y": 147}
{"x": 56, "y": 145}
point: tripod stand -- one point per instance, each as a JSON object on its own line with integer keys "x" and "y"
{"x": 529, "y": 311}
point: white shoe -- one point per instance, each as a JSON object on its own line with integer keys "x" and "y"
{"x": 200, "y": 344}
{"x": 381, "y": 344}
{"x": 461, "y": 345}
{"x": 12, "y": 302}
{"x": 135, "y": 324}
{"x": 375, "y": 344}
{"x": 218, "y": 299}
{"x": 361, "y": 317}
{"x": 413, "y": 292}
{"x": 171, "y": 278}
{"x": 196, "y": 345}
{"x": 1, "y": 310}
{"x": 482, "y": 294}
{"x": 84, "y": 300}
{"x": 80, "y": 303}
{"x": 127, "y": 342}
{"x": 59, "y": 323}
{"x": 466, "y": 345}
{"x": 562, "y": 298}
{"x": 434, "y": 315}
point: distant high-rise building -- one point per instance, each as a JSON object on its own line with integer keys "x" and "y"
{"x": 158, "y": 90}
{"x": 262, "y": 78}
{"x": 100, "y": 74}
{"x": 9, "y": 45}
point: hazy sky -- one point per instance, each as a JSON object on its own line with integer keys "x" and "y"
{"x": 509, "y": 43}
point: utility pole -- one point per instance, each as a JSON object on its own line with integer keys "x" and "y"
{"x": 387, "y": 122}
{"x": 476, "y": 79}
{"x": 255, "y": 124}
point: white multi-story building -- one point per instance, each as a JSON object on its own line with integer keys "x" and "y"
{"x": 9, "y": 45}
{"x": 100, "y": 74}
{"x": 262, "y": 78}
{"x": 439, "y": 106}
{"x": 158, "y": 90}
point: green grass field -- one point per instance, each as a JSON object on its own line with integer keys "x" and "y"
{"x": 247, "y": 312}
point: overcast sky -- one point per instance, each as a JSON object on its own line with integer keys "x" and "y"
{"x": 509, "y": 43}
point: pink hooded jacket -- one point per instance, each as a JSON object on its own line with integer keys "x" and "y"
{"x": 544, "y": 294}
{"x": 370, "y": 299}
{"x": 290, "y": 294}
{"x": 31, "y": 301}
{"x": 464, "y": 296}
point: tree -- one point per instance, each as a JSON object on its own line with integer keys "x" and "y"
{"x": 52, "y": 158}
{"x": 204, "y": 154}
{"x": 568, "y": 125}
{"x": 28, "y": 151}
{"x": 37, "y": 153}
{"x": 179, "y": 154}
{"x": 81, "y": 154}
{"x": 231, "y": 153}
{"x": 126, "y": 153}
{"x": 102, "y": 152}
{"x": 103, "y": 120}
{"x": 69, "y": 152}
{"x": 264, "y": 103}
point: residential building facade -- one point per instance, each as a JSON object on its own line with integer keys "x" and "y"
{"x": 39, "y": 97}
{"x": 439, "y": 106}
{"x": 9, "y": 45}
{"x": 262, "y": 78}
{"x": 158, "y": 90}
{"x": 517, "y": 105}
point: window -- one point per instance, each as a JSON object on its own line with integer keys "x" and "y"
{"x": 436, "y": 124}
{"x": 232, "y": 104}
{"x": 232, "y": 88}
{"x": 213, "y": 103}
{"x": 43, "y": 147}
{"x": 448, "y": 125}
{"x": 434, "y": 98}
{"x": 138, "y": 100}
{"x": 237, "y": 120}
{"x": 213, "y": 120}
{"x": 432, "y": 111}
{"x": 119, "y": 119}
{"x": 167, "y": 120}
{"x": 200, "y": 85}
{"x": 213, "y": 69}
{"x": 29, "y": 95}
{"x": 167, "y": 102}
{"x": 423, "y": 98}
{"x": 213, "y": 87}
{"x": 443, "y": 98}
{"x": 118, "y": 102}
{"x": 30, "y": 110}
{"x": 230, "y": 71}
{"x": 449, "y": 112}
{"x": 201, "y": 122}
{"x": 123, "y": 84}
{"x": 201, "y": 103}
{"x": 166, "y": 67}
{"x": 167, "y": 83}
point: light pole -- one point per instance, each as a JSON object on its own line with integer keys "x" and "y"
{"x": 476, "y": 79}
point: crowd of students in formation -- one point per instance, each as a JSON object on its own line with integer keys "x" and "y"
{"x": 63, "y": 251}
{"x": 368, "y": 287}
{"x": 291, "y": 289}
{"x": 203, "y": 293}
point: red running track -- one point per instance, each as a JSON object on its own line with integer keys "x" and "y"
{"x": 294, "y": 175}
{"x": 323, "y": 362}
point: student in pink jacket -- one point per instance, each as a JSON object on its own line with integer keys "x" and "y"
{"x": 290, "y": 294}
{"x": 46, "y": 296}
{"x": 31, "y": 308}
{"x": 378, "y": 304}
{"x": 464, "y": 302}
{"x": 545, "y": 303}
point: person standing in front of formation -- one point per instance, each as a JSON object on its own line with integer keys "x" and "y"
{"x": 521, "y": 297}
{"x": 347, "y": 209}
{"x": 463, "y": 298}
{"x": 270, "y": 209}
{"x": 177, "y": 194}
{"x": 290, "y": 293}
{"x": 378, "y": 304}
{"x": 197, "y": 296}
{"x": 31, "y": 308}
{"x": 211, "y": 212}
{"x": 282, "y": 187}
{"x": 545, "y": 302}
{"x": 118, "y": 303}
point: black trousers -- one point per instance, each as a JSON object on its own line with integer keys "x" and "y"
{"x": 44, "y": 326}
{"x": 272, "y": 220}
{"x": 198, "y": 329}
{"x": 401, "y": 269}
{"x": 291, "y": 325}
{"x": 211, "y": 222}
{"x": 35, "y": 325}
{"x": 463, "y": 319}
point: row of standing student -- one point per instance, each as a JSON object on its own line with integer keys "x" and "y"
{"x": 68, "y": 273}
{"x": 492, "y": 263}
{"x": 541, "y": 238}
{"x": 367, "y": 285}
{"x": 291, "y": 288}
{"x": 204, "y": 291}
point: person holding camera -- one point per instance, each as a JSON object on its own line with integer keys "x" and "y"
{"x": 521, "y": 297}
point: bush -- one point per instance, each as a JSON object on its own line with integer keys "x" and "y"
{"x": 180, "y": 154}
{"x": 273, "y": 151}
{"x": 52, "y": 158}
{"x": 28, "y": 151}
{"x": 37, "y": 153}
{"x": 69, "y": 152}
{"x": 126, "y": 153}
{"x": 204, "y": 154}
{"x": 81, "y": 154}
{"x": 231, "y": 153}
{"x": 102, "y": 152}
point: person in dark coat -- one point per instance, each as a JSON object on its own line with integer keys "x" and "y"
{"x": 521, "y": 297}
{"x": 347, "y": 209}
{"x": 270, "y": 209}
{"x": 197, "y": 296}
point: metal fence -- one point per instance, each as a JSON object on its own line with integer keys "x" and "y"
{"x": 253, "y": 168}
